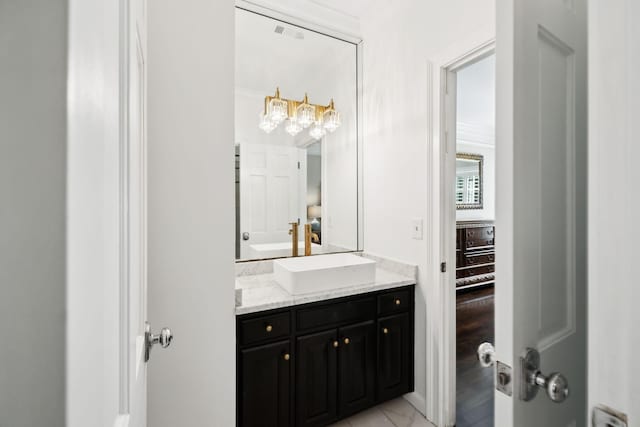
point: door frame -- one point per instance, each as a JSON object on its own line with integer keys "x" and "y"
{"x": 445, "y": 222}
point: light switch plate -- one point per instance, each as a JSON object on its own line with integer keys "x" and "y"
{"x": 607, "y": 417}
{"x": 416, "y": 228}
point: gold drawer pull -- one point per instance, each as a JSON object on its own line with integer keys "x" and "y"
{"x": 398, "y": 301}
{"x": 269, "y": 328}
{"x": 385, "y": 331}
{"x": 336, "y": 344}
{"x": 287, "y": 357}
{"x": 346, "y": 341}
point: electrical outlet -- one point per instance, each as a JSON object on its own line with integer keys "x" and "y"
{"x": 416, "y": 228}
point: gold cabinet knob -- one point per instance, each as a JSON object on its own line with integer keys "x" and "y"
{"x": 287, "y": 357}
{"x": 385, "y": 331}
{"x": 397, "y": 301}
{"x": 346, "y": 341}
{"x": 336, "y": 344}
{"x": 269, "y": 328}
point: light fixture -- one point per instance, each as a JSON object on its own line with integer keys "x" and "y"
{"x": 293, "y": 127}
{"x": 331, "y": 118}
{"x": 266, "y": 124}
{"x": 298, "y": 115}
{"x": 306, "y": 113}
{"x": 317, "y": 131}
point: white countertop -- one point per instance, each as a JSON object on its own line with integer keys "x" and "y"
{"x": 261, "y": 292}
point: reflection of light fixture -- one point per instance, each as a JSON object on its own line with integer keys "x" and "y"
{"x": 299, "y": 115}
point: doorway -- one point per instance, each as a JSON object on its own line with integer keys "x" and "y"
{"x": 470, "y": 212}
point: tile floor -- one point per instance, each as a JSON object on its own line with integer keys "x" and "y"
{"x": 394, "y": 413}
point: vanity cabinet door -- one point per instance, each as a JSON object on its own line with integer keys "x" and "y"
{"x": 265, "y": 386}
{"x": 316, "y": 378}
{"x": 394, "y": 356}
{"x": 357, "y": 367}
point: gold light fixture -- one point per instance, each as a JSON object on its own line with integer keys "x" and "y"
{"x": 298, "y": 115}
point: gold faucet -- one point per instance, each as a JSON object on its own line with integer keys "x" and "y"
{"x": 308, "y": 237}
{"x": 294, "y": 238}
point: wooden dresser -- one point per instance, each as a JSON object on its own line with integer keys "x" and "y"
{"x": 475, "y": 254}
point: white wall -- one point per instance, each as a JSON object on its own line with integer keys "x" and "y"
{"x": 93, "y": 264}
{"x": 191, "y": 215}
{"x": 614, "y": 291}
{"x": 33, "y": 76}
{"x": 403, "y": 40}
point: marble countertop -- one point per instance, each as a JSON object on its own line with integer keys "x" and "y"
{"x": 261, "y": 292}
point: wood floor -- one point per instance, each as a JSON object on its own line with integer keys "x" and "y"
{"x": 474, "y": 384}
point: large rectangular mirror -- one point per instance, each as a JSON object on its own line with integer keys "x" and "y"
{"x": 296, "y": 139}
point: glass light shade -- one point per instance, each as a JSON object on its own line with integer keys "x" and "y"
{"x": 317, "y": 131}
{"x": 306, "y": 114}
{"x": 331, "y": 120}
{"x": 293, "y": 127}
{"x": 266, "y": 124}
{"x": 278, "y": 110}
{"x": 314, "y": 212}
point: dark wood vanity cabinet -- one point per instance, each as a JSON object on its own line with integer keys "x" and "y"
{"x": 395, "y": 346}
{"x": 338, "y": 357}
{"x": 316, "y": 379}
{"x": 475, "y": 254}
{"x": 266, "y": 385}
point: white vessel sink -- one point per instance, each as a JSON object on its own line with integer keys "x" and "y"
{"x": 305, "y": 275}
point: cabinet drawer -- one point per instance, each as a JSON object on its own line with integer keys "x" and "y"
{"x": 480, "y": 258}
{"x": 393, "y": 302}
{"x": 479, "y": 237}
{"x": 264, "y": 328}
{"x": 475, "y": 271}
{"x": 332, "y": 314}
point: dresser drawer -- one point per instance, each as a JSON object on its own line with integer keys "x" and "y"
{"x": 475, "y": 271}
{"x": 332, "y": 314}
{"x": 393, "y": 302}
{"x": 264, "y": 328}
{"x": 479, "y": 237}
{"x": 479, "y": 258}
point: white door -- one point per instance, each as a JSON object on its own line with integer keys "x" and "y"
{"x": 268, "y": 195}
{"x": 137, "y": 213}
{"x": 541, "y": 207}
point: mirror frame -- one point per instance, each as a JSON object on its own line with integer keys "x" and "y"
{"x": 480, "y": 204}
{"x": 347, "y": 38}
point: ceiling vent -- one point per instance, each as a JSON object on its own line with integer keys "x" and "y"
{"x": 288, "y": 32}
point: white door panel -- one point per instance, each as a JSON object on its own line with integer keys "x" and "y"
{"x": 269, "y": 194}
{"x": 541, "y": 207}
{"x": 137, "y": 214}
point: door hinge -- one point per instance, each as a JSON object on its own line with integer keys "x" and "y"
{"x": 298, "y": 165}
{"x": 443, "y": 267}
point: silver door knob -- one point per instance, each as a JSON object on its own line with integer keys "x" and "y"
{"x": 555, "y": 385}
{"x": 164, "y": 338}
{"x": 486, "y": 354}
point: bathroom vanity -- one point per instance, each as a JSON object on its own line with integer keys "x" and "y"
{"x": 315, "y": 363}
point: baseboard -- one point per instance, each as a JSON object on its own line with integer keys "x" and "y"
{"x": 417, "y": 401}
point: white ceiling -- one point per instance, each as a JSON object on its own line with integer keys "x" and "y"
{"x": 353, "y": 8}
{"x": 265, "y": 59}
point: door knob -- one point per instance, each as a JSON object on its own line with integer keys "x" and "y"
{"x": 556, "y": 385}
{"x": 164, "y": 338}
{"x": 486, "y": 354}
{"x": 245, "y": 236}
